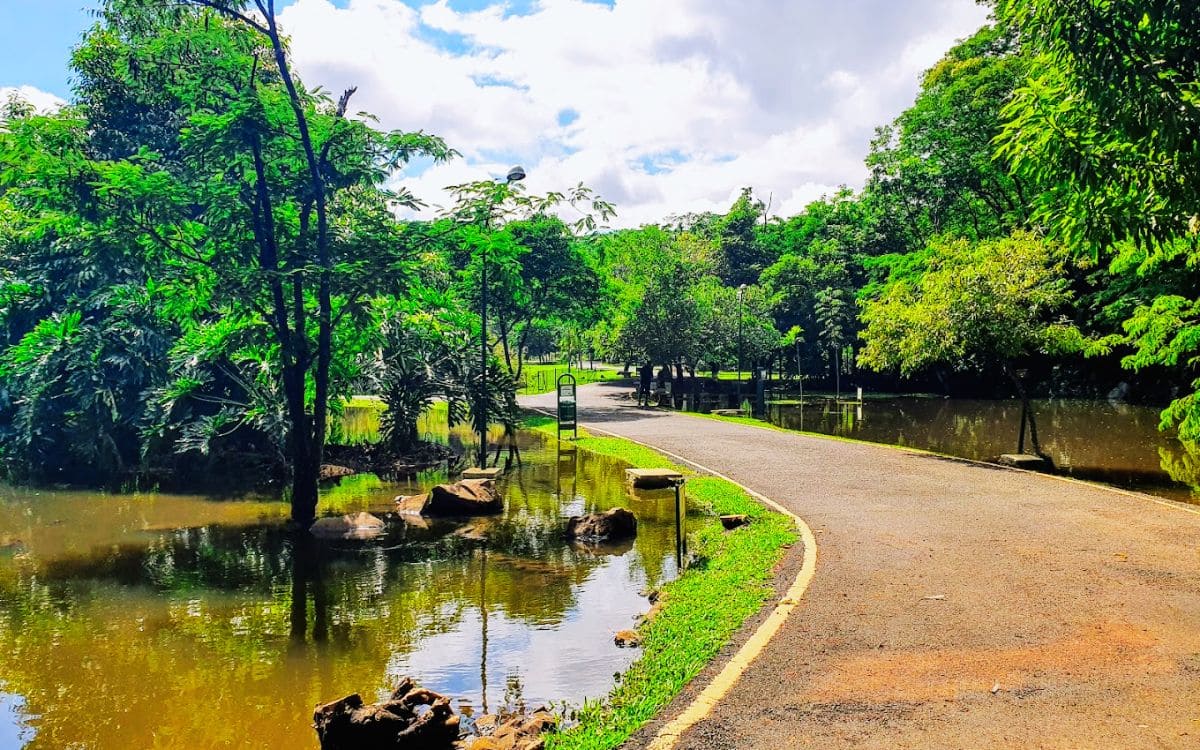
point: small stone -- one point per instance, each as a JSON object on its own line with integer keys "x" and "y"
{"x": 627, "y": 639}
{"x": 651, "y": 613}
{"x": 487, "y": 724}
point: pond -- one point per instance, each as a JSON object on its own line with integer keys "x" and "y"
{"x": 1116, "y": 443}
{"x": 164, "y": 620}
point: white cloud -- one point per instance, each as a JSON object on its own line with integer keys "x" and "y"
{"x": 42, "y": 101}
{"x": 664, "y": 107}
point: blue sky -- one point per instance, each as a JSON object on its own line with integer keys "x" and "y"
{"x": 663, "y": 106}
{"x": 36, "y": 36}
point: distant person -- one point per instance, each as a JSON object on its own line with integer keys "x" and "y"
{"x": 645, "y": 380}
{"x": 664, "y": 380}
{"x": 664, "y": 377}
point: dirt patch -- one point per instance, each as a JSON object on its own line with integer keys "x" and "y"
{"x": 946, "y": 674}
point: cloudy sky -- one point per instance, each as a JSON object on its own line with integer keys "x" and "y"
{"x": 662, "y": 106}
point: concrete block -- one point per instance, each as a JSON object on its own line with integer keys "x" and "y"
{"x": 1025, "y": 461}
{"x": 652, "y": 478}
{"x": 476, "y": 473}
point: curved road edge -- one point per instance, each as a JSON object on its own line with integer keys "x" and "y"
{"x": 720, "y": 685}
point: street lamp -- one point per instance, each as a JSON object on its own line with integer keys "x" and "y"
{"x": 516, "y": 174}
{"x": 741, "y": 292}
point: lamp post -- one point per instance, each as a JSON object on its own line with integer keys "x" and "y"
{"x": 741, "y": 292}
{"x": 516, "y": 174}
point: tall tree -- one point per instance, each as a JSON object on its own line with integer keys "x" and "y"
{"x": 935, "y": 166}
{"x": 270, "y": 194}
{"x": 742, "y": 256}
{"x": 1108, "y": 127}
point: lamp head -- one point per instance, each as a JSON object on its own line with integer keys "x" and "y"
{"x": 516, "y": 174}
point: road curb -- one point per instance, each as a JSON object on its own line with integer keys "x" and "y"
{"x": 720, "y": 685}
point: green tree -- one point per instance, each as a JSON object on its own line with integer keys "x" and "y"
{"x": 935, "y": 168}
{"x": 977, "y": 305}
{"x": 834, "y": 316}
{"x": 84, "y": 330}
{"x": 267, "y": 198}
{"x": 538, "y": 275}
{"x": 729, "y": 327}
{"x": 743, "y": 256}
{"x": 425, "y": 352}
{"x": 1108, "y": 127}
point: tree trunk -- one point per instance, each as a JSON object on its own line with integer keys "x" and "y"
{"x": 306, "y": 472}
{"x": 507, "y": 350}
{"x": 522, "y": 338}
{"x": 1026, "y": 409}
{"x": 837, "y": 375}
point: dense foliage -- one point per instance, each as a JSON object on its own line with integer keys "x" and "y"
{"x": 200, "y": 258}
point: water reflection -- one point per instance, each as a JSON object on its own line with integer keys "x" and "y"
{"x": 127, "y": 621}
{"x": 1115, "y": 443}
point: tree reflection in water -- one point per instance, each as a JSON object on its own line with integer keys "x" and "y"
{"x": 308, "y": 576}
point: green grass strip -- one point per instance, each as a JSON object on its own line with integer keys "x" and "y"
{"x": 729, "y": 580}
{"x": 542, "y": 378}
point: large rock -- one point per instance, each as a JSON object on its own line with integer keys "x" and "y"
{"x": 413, "y": 718}
{"x": 618, "y": 523}
{"x": 412, "y": 505}
{"x": 349, "y": 526}
{"x": 469, "y": 497}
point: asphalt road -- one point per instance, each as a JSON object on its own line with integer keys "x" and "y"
{"x": 955, "y": 605}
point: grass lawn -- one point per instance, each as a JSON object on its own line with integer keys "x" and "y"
{"x": 728, "y": 581}
{"x": 542, "y": 378}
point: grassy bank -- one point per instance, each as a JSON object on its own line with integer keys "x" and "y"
{"x": 729, "y": 581}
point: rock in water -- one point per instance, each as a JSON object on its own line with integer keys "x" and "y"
{"x": 412, "y": 505}
{"x": 333, "y": 471}
{"x": 627, "y": 639}
{"x": 349, "y": 526}
{"x": 519, "y": 733}
{"x": 469, "y": 497}
{"x": 618, "y": 523}
{"x": 399, "y": 723}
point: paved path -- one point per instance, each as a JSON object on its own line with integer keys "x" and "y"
{"x": 939, "y": 580}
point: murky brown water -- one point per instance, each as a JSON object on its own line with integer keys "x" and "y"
{"x": 1119, "y": 444}
{"x": 175, "y": 621}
